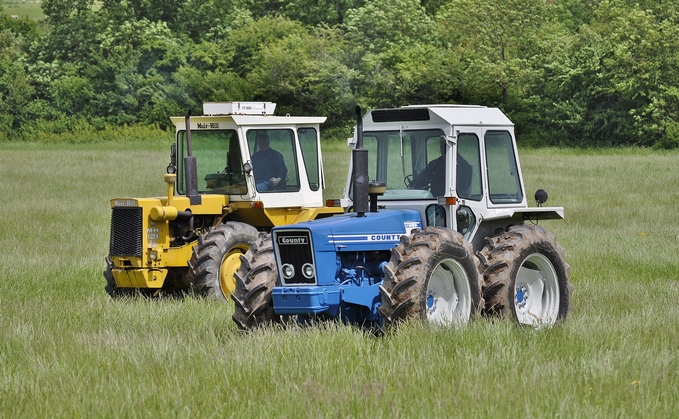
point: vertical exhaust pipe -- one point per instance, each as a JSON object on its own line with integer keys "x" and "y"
{"x": 190, "y": 168}
{"x": 360, "y": 169}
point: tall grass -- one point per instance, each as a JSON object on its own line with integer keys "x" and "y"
{"x": 68, "y": 350}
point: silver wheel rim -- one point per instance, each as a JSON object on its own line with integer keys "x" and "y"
{"x": 536, "y": 292}
{"x": 449, "y": 300}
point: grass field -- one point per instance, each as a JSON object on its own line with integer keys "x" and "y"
{"x": 68, "y": 350}
{"x": 28, "y": 8}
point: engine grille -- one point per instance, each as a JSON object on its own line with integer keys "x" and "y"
{"x": 295, "y": 250}
{"x": 126, "y": 232}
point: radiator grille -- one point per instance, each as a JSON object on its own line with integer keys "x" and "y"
{"x": 126, "y": 232}
{"x": 295, "y": 249}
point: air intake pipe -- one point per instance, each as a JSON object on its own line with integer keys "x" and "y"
{"x": 359, "y": 157}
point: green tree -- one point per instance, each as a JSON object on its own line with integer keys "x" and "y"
{"x": 23, "y": 26}
{"x": 495, "y": 41}
{"x": 579, "y": 71}
{"x": 391, "y": 43}
{"x": 265, "y": 8}
{"x": 320, "y": 12}
{"x": 15, "y": 88}
{"x": 304, "y": 74}
{"x": 617, "y": 83}
{"x": 244, "y": 44}
{"x": 138, "y": 60}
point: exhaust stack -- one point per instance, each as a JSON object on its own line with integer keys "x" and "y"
{"x": 359, "y": 157}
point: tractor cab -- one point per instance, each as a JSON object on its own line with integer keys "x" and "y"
{"x": 457, "y": 165}
{"x": 227, "y": 143}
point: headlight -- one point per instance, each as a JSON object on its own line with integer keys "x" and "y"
{"x": 308, "y": 271}
{"x": 288, "y": 271}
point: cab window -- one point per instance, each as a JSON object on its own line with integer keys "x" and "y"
{"x": 504, "y": 185}
{"x": 308, "y": 141}
{"x": 274, "y": 161}
{"x": 468, "y": 167}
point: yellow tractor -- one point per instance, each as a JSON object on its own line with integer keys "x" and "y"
{"x": 234, "y": 172}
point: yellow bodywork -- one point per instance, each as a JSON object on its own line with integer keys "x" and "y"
{"x": 271, "y": 217}
{"x": 158, "y": 256}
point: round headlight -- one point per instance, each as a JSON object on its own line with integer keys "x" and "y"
{"x": 308, "y": 270}
{"x": 288, "y": 271}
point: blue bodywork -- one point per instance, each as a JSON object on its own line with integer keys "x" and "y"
{"x": 342, "y": 258}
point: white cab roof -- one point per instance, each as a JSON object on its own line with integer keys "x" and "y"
{"x": 449, "y": 114}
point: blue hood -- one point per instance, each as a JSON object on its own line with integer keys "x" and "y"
{"x": 348, "y": 232}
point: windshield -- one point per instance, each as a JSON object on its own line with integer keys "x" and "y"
{"x": 399, "y": 159}
{"x": 218, "y": 161}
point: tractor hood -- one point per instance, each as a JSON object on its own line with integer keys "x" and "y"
{"x": 349, "y": 232}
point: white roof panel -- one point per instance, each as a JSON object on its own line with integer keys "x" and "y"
{"x": 274, "y": 120}
{"x": 473, "y": 115}
{"x": 240, "y": 120}
{"x": 468, "y": 115}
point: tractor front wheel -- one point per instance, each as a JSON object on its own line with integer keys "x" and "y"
{"x": 526, "y": 276}
{"x": 216, "y": 258}
{"x": 255, "y": 280}
{"x": 432, "y": 275}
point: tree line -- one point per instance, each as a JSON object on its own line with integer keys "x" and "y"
{"x": 568, "y": 73}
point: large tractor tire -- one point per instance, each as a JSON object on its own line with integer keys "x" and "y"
{"x": 255, "y": 280}
{"x": 433, "y": 276}
{"x": 525, "y": 276}
{"x": 216, "y": 258}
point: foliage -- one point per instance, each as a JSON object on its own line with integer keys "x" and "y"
{"x": 320, "y": 12}
{"x": 78, "y": 130}
{"x": 15, "y": 87}
{"x": 304, "y": 73}
{"x": 495, "y": 42}
{"x": 616, "y": 84}
{"x": 387, "y": 41}
{"x": 574, "y": 72}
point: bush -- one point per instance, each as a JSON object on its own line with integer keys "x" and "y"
{"x": 79, "y": 131}
{"x": 670, "y": 140}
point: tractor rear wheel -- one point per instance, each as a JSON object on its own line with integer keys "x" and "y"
{"x": 526, "y": 276}
{"x": 255, "y": 280}
{"x": 432, "y": 275}
{"x": 216, "y": 258}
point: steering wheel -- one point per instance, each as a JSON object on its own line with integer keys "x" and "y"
{"x": 408, "y": 181}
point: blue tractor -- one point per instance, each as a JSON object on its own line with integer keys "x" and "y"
{"x": 437, "y": 228}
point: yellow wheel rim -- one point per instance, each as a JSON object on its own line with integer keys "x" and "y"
{"x": 227, "y": 270}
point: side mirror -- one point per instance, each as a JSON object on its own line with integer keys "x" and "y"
{"x": 172, "y": 167}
